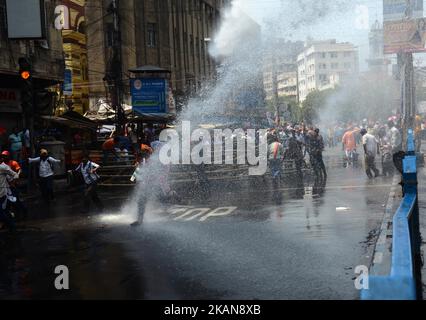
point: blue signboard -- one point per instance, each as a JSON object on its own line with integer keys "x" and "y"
{"x": 149, "y": 95}
{"x": 68, "y": 82}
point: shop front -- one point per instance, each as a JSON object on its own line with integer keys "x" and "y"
{"x": 10, "y": 114}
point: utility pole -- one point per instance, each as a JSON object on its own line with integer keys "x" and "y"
{"x": 408, "y": 103}
{"x": 116, "y": 65}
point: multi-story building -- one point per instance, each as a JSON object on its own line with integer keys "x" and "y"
{"x": 171, "y": 34}
{"x": 325, "y": 63}
{"x": 280, "y": 69}
{"x": 376, "y": 60}
{"x": 76, "y": 86}
{"x": 46, "y": 57}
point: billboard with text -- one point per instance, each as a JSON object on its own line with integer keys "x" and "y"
{"x": 405, "y": 36}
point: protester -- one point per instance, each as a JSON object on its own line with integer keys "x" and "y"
{"x": 108, "y": 148}
{"x": 394, "y": 137}
{"x": 276, "y": 157}
{"x": 17, "y": 205}
{"x": 88, "y": 170}
{"x": 349, "y": 146}
{"x": 371, "y": 148}
{"x": 16, "y": 140}
{"x": 6, "y": 176}
{"x": 45, "y": 174}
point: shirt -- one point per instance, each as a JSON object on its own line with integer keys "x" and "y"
{"x": 276, "y": 151}
{"x": 370, "y": 142}
{"x": 13, "y": 165}
{"x": 6, "y": 174}
{"x": 45, "y": 166}
{"x": 15, "y": 141}
{"x": 349, "y": 141}
{"x": 108, "y": 144}
{"x": 88, "y": 176}
{"x": 395, "y": 138}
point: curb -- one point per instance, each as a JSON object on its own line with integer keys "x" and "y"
{"x": 382, "y": 253}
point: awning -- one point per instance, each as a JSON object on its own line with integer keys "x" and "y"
{"x": 71, "y": 123}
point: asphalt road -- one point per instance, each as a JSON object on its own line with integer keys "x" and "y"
{"x": 242, "y": 242}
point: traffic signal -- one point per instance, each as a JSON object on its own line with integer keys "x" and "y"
{"x": 25, "y": 69}
{"x": 27, "y": 94}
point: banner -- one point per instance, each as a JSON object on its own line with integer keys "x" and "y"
{"x": 402, "y": 9}
{"x": 405, "y": 36}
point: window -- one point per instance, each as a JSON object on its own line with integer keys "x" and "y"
{"x": 347, "y": 54}
{"x": 152, "y": 35}
{"x": 334, "y": 66}
{"x": 333, "y": 55}
{"x": 348, "y": 65}
{"x": 322, "y": 55}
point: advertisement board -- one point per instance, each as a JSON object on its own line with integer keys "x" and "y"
{"x": 405, "y": 36}
{"x": 149, "y": 95}
{"x": 402, "y": 9}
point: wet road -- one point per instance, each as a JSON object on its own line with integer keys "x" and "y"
{"x": 240, "y": 243}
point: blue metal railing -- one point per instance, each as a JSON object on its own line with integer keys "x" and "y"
{"x": 401, "y": 283}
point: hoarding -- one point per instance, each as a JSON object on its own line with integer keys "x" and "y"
{"x": 405, "y": 36}
{"x": 25, "y": 19}
{"x": 402, "y": 9}
{"x": 149, "y": 95}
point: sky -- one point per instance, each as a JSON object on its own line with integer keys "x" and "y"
{"x": 348, "y": 25}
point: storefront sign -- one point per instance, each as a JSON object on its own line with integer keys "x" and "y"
{"x": 10, "y": 100}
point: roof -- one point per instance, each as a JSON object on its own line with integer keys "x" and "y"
{"x": 149, "y": 69}
{"x": 72, "y": 123}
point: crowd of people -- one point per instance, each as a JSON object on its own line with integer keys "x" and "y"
{"x": 301, "y": 144}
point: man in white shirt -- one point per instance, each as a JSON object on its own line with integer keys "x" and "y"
{"x": 45, "y": 174}
{"x": 88, "y": 170}
{"x": 394, "y": 137}
{"x": 6, "y": 175}
{"x": 371, "y": 148}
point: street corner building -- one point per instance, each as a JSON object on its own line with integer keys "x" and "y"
{"x": 45, "y": 55}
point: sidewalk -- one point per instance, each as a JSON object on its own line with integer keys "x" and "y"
{"x": 422, "y": 213}
{"x": 382, "y": 257}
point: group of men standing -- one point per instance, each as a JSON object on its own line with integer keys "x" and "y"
{"x": 294, "y": 143}
{"x": 376, "y": 140}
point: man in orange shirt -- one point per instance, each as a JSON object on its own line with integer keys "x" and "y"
{"x": 349, "y": 144}
{"x": 11, "y": 163}
{"x": 109, "y": 147}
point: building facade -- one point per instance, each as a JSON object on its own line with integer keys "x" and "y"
{"x": 325, "y": 64}
{"x": 171, "y": 34}
{"x": 46, "y": 57}
{"x": 280, "y": 69}
{"x": 76, "y": 79}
